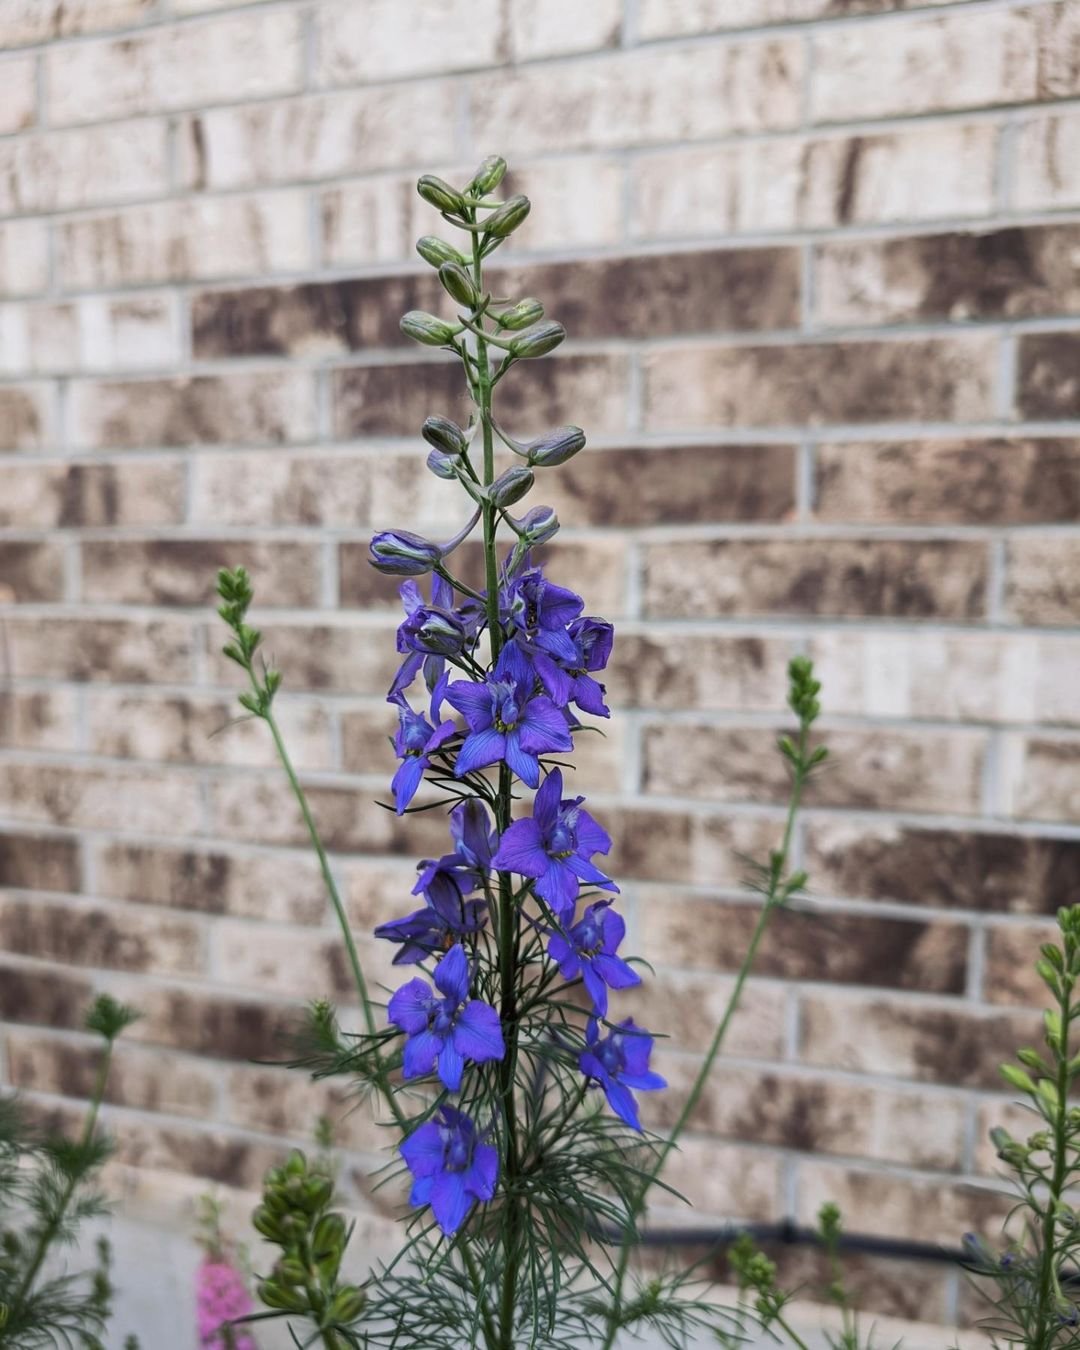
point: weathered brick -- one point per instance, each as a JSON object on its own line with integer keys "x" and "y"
{"x": 213, "y": 882}
{"x": 23, "y": 22}
{"x": 1018, "y": 272}
{"x": 394, "y": 400}
{"x": 557, "y": 27}
{"x": 676, "y": 18}
{"x": 24, "y": 257}
{"x": 815, "y": 1114}
{"x": 930, "y": 1043}
{"x": 280, "y": 961}
{"x": 41, "y": 719}
{"x": 656, "y": 845}
{"x": 215, "y": 1154}
{"x": 718, "y": 290}
{"x": 196, "y": 239}
{"x": 39, "y": 862}
{"x": 85, "y": 934}
{"x": 641, "y": 99}
{"x": 792, "y": 183}
{"x": 30, "y": 571}
{"x": 737, "y": 1183}
{"x": 851, "y": 577}
{"x": 271, "y": 408}
{"x": 1040, "y": 780}
{"x": 214, "y": 1024}
{"x": 140, "y": 1078}
{"x": 1009, "y": 974}
{"x": 46, "y": 496}
{"x": 176, "y": 66}
{"x": 915, "y": 380}
{"x": 943, "y": 869}
{"x": 1040, "y": 579}
{"x": 809, "y": 945}
{"x": 308, "y": 489}
{"x": 26, "y": 417}
{"x": 900, "y": 1207}
{"x": 697, "y": 671}
{"x": 43, "y": 995}
{"x": 85, "y": 648}
{"x": 91, "y": 334}
{"x": 1046, "y": 172}
{"x": 93, "y": 799}
{"x": 949, "y": 482}
{"x": 323, "y": 136}
{"x": 575, "y": 204}
{"x": 18, "y": 74}
{"x": 345, "y": 657}
{"x": 280, "y": 1101}
{"x": 383, "y": 41}
{"x": 878, "y": 769}
{"x": 184, "y": 571}
{"x": 687, "y": 1007}
{"x": 57, "y": 170}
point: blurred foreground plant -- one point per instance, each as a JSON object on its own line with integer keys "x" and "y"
{"x": 47, "y": 1192}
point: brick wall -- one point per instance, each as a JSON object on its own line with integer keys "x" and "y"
{"x": 820, "y": 263}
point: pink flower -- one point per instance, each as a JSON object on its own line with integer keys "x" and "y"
{"x": 220, "y": 1297}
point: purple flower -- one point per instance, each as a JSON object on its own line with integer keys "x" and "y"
{"x": 618, "y": 1063}
{"x": 554, "y": 847}
{"x": 402, "y": 553}
{"x": 221, "y": 1296}
{"x": 430, "y": 633}
{"x": 507, "y": 719}
{"x": 415, "y": 741}
{"x": 449, "y": 1030}
{"x": 541, "y": 611}
{"x": 588, "y": 950}
{"x": 569, "y": 680}
{"x": 451, "y": 1167}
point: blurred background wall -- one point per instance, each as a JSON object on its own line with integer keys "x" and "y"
{"x": 820, "y": 265}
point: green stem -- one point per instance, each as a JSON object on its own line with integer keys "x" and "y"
{"x": 792, "y": 1335}
{"x": 490, "y": 1336}
{"x": 1048, "y": 1283}
{"x": 773, "y": 899}
{"x": 49, "y": 1232}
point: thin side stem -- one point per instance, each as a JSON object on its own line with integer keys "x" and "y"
{"x": 1048, "y": 1280}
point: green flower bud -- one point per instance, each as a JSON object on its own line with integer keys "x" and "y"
{"x": 508, "y": 217}
{"x": 296, "y": 1163}
{"x": 444, "y": 435}
{"x": 488, "y": 176}
{"x": 330, "y": 1235}
{"x": 510, "y": 486}
{"x": 524, "y": 313}
{"x": 536, "y": 526}
{"x": 556, "y": 447}
{"x": 265, "y": 1223}
{"x": 440, "y": 195}
{"x": 458, "y": 284}
{"x": 436, "y": 251}
{"x": 290, "y": 1271}
{"x": 318, "y": 1192}
{"x": 275, "y": 1295}
{"x": 538, "y": 341}
{"x": 426, "y": 328}
{"x": 347, "y": 1305}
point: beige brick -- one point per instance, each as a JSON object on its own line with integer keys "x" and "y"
{"x": 308, "y": 489}
{"x": 668, "y": 669}
{"x": 856, "y": 578}
{"x": 788, "y": 184}
{"x": 58, "y": 170}
{"x": 214, "y": 1023}
{"x": 557, "y": 27}
{"x": 24, "y": 257}
{"x": 203, "y": 6}
{"x": 85, "y": 934}
{"x": 1047, "y": 161}
{"x": 919, "y": 65}
{"x": 176, "y": 66}
{"x": 280, "y": 960}
{"x": 196, "y": 239}
{"x": 30, "y": 572}
{"x": 676, "y": 18}
{"x": 642, "y": 98}
{"x": 915, "y": 379}
{"x": 44, "y": 719}
{"x": 95, "y": 799}
{"x": 347, "y": 656}
{"x": 270, "y": 408}
{"x": 51, "y": 495}
{"x": 250, "y": 885}
{"x": 204, "y": 729}
{"x": 737, "y": 1183}
{"x": 28, "y": 21}
{"x": 39, "y": 862}
{"x": 90, "y": 648}
{"x": 1041, "y": 585}
{"x": 41, "y": 996}
{"x": 319, "y": 137}
{"x": 281, "y": 1101}
{"x": 184, "y": 571}
{"x": 687, "y": 1006}
{"x": 27, "y": 416}
{"x": 1040, "y": 779}
{"x": 387, "y": 38}
{"x": 91, "y": 334}
{"x": 878, "y": 769}
{"x": 18, "y": 76}
{"x": 1009, "y": 975}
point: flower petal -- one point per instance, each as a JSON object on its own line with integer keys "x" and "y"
{"x": 478, "y": 1032}
{"x": 543, "y": 727}
{"x": 547, "y": 801}
{"x": 521, "y": 849}
{"x": 421, "y": 1050}
{"x": 484, "y": 1172}
{"x": 472, "y": 700}
{"x": 559, "y": 887}
{"x": 614, "y": 971}
{"x": 591, "y": 837}
{"x": 452, "y": 974}
{"x": 621, "y": 1101}
{"x": 449, "y": 1201}
{"x": 410, "y": 1005}
{"x": 423, "y": 1150}
{"x": 480, "y": 749}
{"x": 408, "y": 778}
{"x": 451, "y": 1065}
{"x": 595, "y": 988}
{"x": 526, "y": 766}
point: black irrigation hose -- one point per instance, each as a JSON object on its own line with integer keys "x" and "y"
{"x": 790, "y": 1234}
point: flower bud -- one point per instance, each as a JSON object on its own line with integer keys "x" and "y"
{"x": 265, "y": 1223}
{"x": 524, "y": 313}
{"x": 538, "y": 341}
{"x": 488, "y": 176}
{"x": 426, "y": 328}
{"x": 508, "y": 217}
{"x": 290, "y": 1270}
{"x": 536, "y": 526}
{"x": 437, "y": 251}
{"x": 329, "y": 1236}
{"x": 556, "y": 447}
{"x": 442, "y": 465}
{"x": 441, "y": 195}
{"x": 510, "y": 486}
{"x": 276, "y": 1295}
{"x": 348, "y": 1304}
{"x": 444, "y": 435}
{"x": 399, "y": 553}
{"x": 441, "y": 633}
{"x": 458, "y": 284}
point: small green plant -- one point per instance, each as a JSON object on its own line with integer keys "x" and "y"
{"x": 47, "y": 1191}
